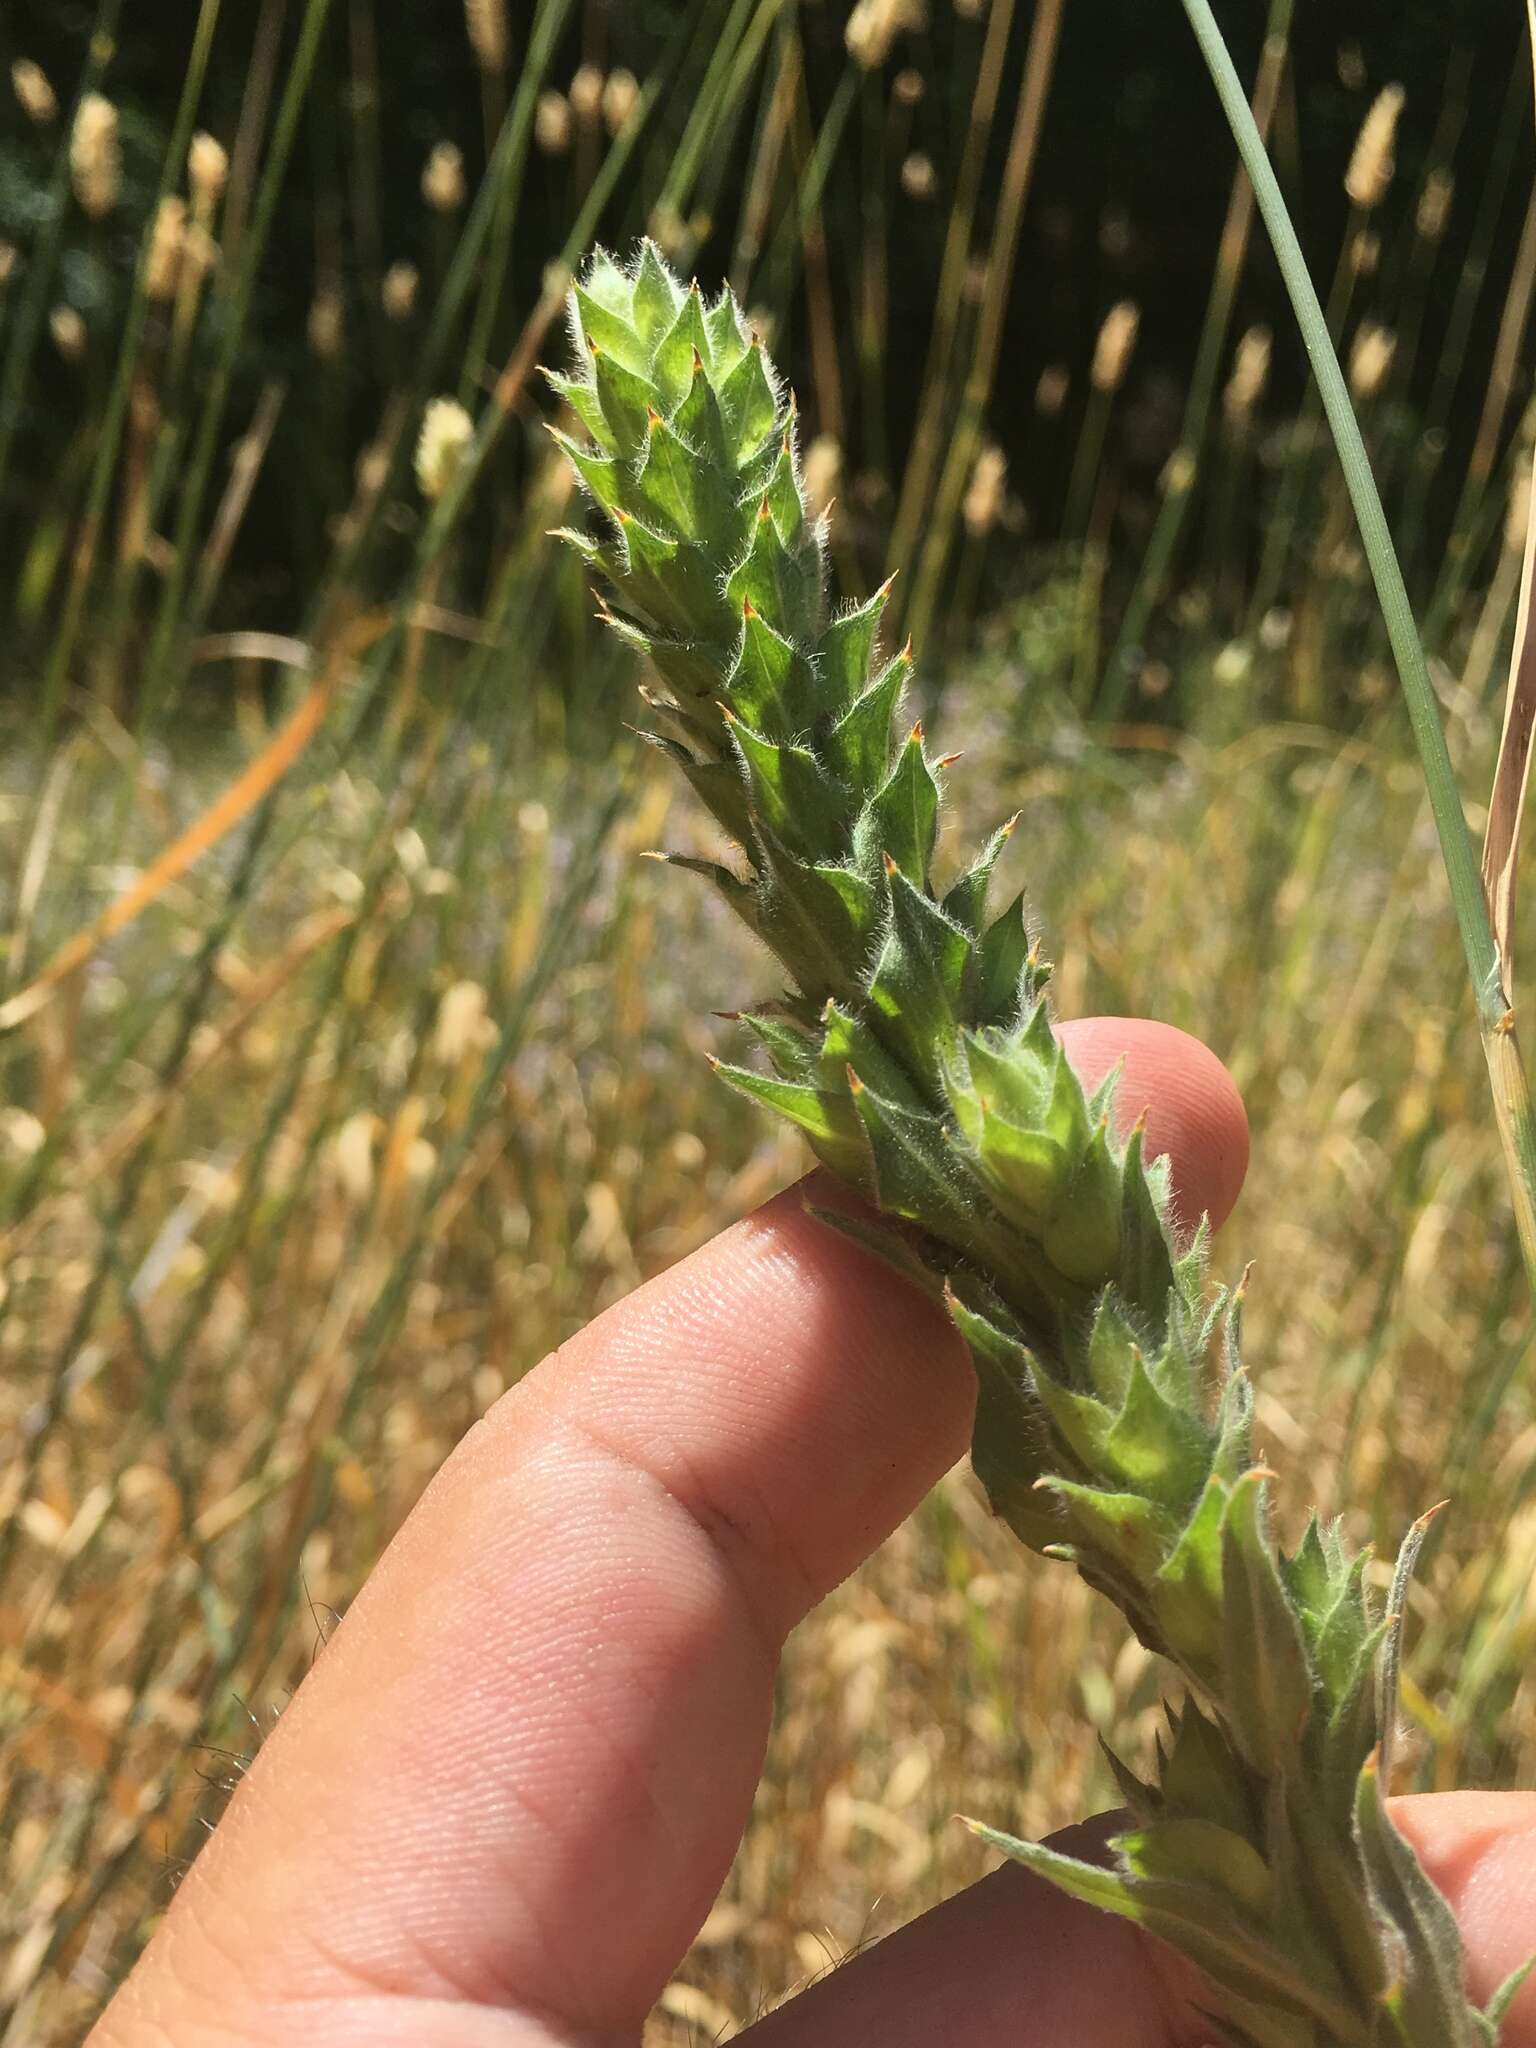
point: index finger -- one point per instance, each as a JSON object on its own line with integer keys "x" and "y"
{"x": 518, "y": 1773}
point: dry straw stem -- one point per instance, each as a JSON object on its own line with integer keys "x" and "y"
{"x": 1501, "y": 852}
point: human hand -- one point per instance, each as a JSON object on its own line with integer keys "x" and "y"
{"x": 500, "y": 1806}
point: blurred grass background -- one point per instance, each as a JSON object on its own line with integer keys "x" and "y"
{"x": 337, "y": 1078}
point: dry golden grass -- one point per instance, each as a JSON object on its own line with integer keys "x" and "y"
{"x": 194, "y": 1527}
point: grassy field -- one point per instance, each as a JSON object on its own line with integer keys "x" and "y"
{"x": 338, "y": 1082}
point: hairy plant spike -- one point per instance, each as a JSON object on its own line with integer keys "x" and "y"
{"x": 915, "y": 1051}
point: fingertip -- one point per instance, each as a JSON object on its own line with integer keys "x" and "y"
{"x": 1480, "y": 1850}
{"x": 1194, "y": 1113}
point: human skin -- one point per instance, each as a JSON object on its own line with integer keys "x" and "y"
{"x": 501, "y": 1804}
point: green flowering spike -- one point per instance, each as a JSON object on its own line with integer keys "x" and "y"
{"x": 914, "y": 1048}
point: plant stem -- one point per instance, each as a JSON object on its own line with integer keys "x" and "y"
{"x": 1495, "y": 1017}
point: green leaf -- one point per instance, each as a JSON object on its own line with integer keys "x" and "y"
{"x": 1267, "y": 1696}
{"x": 860, "y": 743}
{"x": 1191, "y": 1851}
{"x": 1213, "y": 1932}
{"x": 627, "y": 402}
{"x": 1160, "y": 1449}
{"x": 671, "y": 580}
{"x": 846, "y": 657}
{"x": 1186, "y": 1595}
{"x": 609, "y": 332}
{"x": 775, "y": 583}
{"x": 1134, "y": 1534}
{"x": 1146, "y": 1274}
{"x": 902, "y": 818}
{"x": 1432, "y": 1994}
{"x": 848, "y": 1043}
{"x": 1389, "y": 1667}
{"x": 783, "y": 494}
{"x": 1025, "y": 1169}
{"x": 966, "y": 901}
{"x": 670, "y": 482}
{"x": 749, "y": 403}
{"x": 684, "y": 339}
{"x": 583, "y": 400}
{"x": 770, "y": 681}
{"x": 657, "y": 299}
{"x": 791, "y": 792}
{"x": 917, "y": 983}
{"x": 816, "y": 920}
{"x": 603, "y": 475}
{"x": 916, "y": 1176}
{"x": 727, "y": 336}
{"x": 609, "y": 284}
{"x": 1082, "y": 1236}
{"x": 793, "y": 1050}
{"x": 740, "y": 895}
{"x": 1504, "y": 1997}
{"x": 717, "y": 783}
{"x": 1012, "y": 1433}
{"x": 1001, "y": 995}
{"x": 830, "y": 1124}
{"x": 1202, "y": 1775}
{"x": 699, "y": 422}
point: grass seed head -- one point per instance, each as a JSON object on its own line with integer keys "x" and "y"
{"x": 36, "y": 96}
{"x": 68, "y": 331}
{"x": 95, "y": 156}
{"x": 442, "y": 181}
{"x": 207, "y": 173}
{"x": 1370, "y": 361}
{"x": 874, "y": 26}
{"x": 552, "y": 123}
{"x": 621, "y": 94}
{"x": 446, "y": 432}
{"x": 486, "y": 21}
{"x": 1116, "y": 345}
{"x": 586, "y": 95}
{"x": 1369, "y": 177}
{"x": 1250, "y": 374}
{"x": 398, "y": 290}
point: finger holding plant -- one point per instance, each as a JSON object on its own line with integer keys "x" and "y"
{"x": 914, "y": 1048}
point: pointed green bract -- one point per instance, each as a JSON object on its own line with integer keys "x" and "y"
{"x": 915, "y": 1051}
